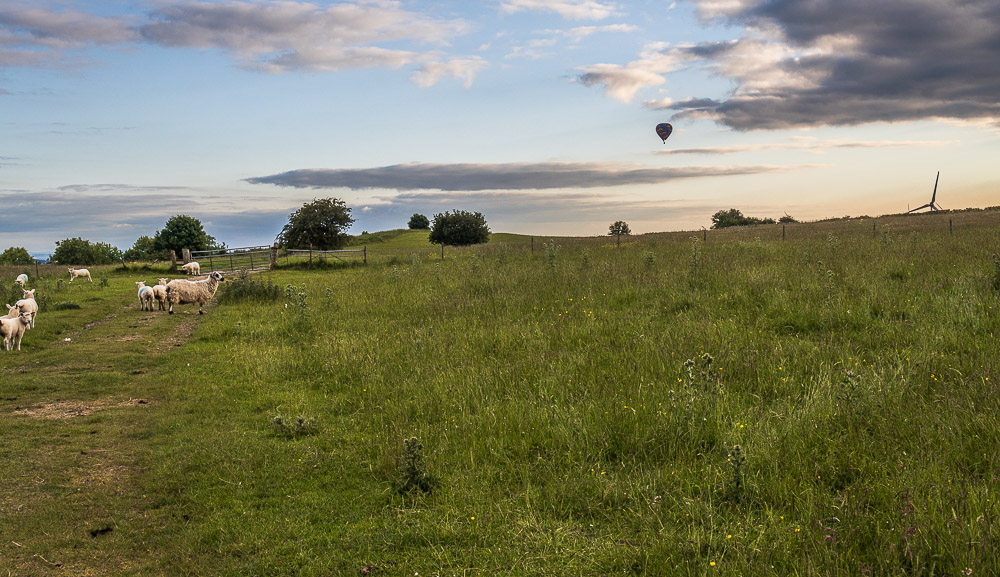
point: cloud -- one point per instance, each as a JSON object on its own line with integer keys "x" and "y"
{"x": 849, "y": 62}
{"x": 808, "y": 145}
{"x": 623, "y": 82}
{"x": 510, "y": 176}
{"x": 269, "y": 36}
{"x": 570, "y": 9}
{"x": 280, "y": 37}
{"x": 31, "y": 36}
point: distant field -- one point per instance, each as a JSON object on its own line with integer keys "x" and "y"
{"x": 810, "y": 399}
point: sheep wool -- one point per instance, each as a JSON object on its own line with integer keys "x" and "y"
{"x": 160, "y": 294}
{"x": 22, "y": 279}
{"x": 79, "y": 272}
{"x": 27, "y": 304}
{"x": 145, "y": 296}
{"x": 181, "y": 291}
{"x": 12, "y": 329}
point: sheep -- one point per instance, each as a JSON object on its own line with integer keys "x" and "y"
{"x": 192, "y": 268}
{"x": 145, "y": 296}
{"x": 78, "y": 272}
{"x": 21, "y": 279}
{"x": 181, "y": 291}
{"x": 27, "y": 304}
{"x": 12, "y": 328}
{"x": 160, "y": 294}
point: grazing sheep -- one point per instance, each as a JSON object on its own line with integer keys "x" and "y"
{"x": 13, "y": 329}
{"x": 192, "y": 268}
{"x": 145, "y": 296}
{"x": 21, "y": 279}
{"x": 181, "y": 291}
{"x": 160, "y": 294}
{"x": 78, "y": 272}
{"x": 27, "y": 304}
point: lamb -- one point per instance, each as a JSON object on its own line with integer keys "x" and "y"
{"x": 145, "y": 296}
{"x": 21, "y": 279}
{"x": 182, "y": 291}
{"x": 13, "y": 329}
{"x": 78, "y": 272}
{"x": 192, "y": 268}
{"x": 28, "y": 305}
{"x": 160, "y": 294}
{"x": 25, "y": 305}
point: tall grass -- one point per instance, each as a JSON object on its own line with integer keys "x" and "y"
{"x": 739, "y": 405}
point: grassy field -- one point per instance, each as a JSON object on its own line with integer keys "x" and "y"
{"x": 818, "y": 399}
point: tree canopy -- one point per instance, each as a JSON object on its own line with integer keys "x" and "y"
{"x": 419, "y": 222}
{"x": 459, "y": 228}
{"x": 619, "y": 228}
{"x": 734, "y": 217}
{"x": 180, "y": 232}
{"x": 16, "y": 255}
{"x": 144, "y": 248}
{"x": 77, "y": 251}
{"x": 321, "y": 224}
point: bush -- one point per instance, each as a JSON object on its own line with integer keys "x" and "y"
{"x": 16, "y": 255}
{"x": 77, "y": 252}
{"x": 419, "y": 222}
{"x": 459, "y": 228}
{"x": 733, "y": 217}
{"x": 245, "y": 288}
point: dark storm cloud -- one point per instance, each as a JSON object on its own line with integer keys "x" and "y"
{"x": 848, "y": 62}
{"x": 510, "y": 176}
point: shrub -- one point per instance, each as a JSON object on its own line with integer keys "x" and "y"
{"x": 459, "y": 228}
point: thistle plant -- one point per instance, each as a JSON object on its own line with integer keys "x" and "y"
{"x": 695, "y": 260}
{"x": 293, "y": 428}
{"x": 737, "y": 460}
{"x": 412, "y": 472}
{"x": 648, "y": 259}
{"x": 551, "y": 251}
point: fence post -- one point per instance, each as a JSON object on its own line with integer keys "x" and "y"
{"x": 442, "y": 251}
{"x": 186, "y": 255}
{"x": 532, "y": 244}
{"x": 704, "y": 234}
{"x": 364, "y": 254}
{"x": 782, "y": 232}
{"x": 950, "y": 230}
{"x": 173, "y": 260}
{"x": 274, "y": 257}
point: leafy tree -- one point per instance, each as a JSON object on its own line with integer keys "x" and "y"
{"x": 76, "y": 251}
{"x": 16, "y": 255}
{"x": 321, "y": 224}
{"x": 619, "y": 228}
{"x": 180, "y": 232}
{"x": 787, "y": 218}
{"x": 143, "y": 249}
{"x": 733, "y": 217}
{"x": 419, "y": 222}
{"x": 459, "y": 228}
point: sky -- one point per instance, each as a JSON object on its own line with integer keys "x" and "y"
{"x": 540, "y": 114}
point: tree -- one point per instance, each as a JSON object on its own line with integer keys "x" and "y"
{"x": 419, "y": 222}
{"x": 619, "y": 228}
{"x": 321, "y": 224}
{"x": 76, "y": 251}
{"x": 16, "y": 255}
{"x": 459, "y": 228}
{"x": 787, "y": 218}
{"x": 180, "y": 232}
{"x": 144, "y": 248}
{"x": 733, "y": 217}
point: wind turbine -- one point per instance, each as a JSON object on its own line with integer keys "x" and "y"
{"x": 931, "y": 205}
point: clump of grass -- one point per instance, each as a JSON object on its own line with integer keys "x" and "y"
{"x": 737, "y": 459}
{"x": 293, "y": 428}
{"x": 412, "y": 475}
{"x": 246, "y": 288}
{"x": 65, "y": 306}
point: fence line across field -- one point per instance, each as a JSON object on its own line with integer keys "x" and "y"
{"x": 337, "y": 254}
{"x": 249, "y": 258}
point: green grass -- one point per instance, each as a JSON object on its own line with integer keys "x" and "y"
{"x": 578, "y": 407}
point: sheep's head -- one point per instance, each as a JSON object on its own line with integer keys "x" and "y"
{"x": 140, "y": 283}
{"x": 216, "y": 276}
{"x": 29, "y": 294}
{"x": 162, "y": 281}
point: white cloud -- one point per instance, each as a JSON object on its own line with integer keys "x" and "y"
{"x": 463, "y": 69}
{"x": 570, "y": 9}
{"x": 623, "y": 82}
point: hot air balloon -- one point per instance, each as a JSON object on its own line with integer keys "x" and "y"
{"x": 663, "y": 130}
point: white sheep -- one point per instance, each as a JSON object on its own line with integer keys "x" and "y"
{"x": 12, "y": 328}
{"x": 145, "y": 296}
{"x": 192, "y": 268}
{"x": 160, "y": 294}
{"x": 21, "y": 279}
{"x": 181, "y": 291}
{"x": 27, "y": 304}
{"x": 78, "y": 272}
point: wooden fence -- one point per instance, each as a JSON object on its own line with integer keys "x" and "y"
{"x": 248, "y": 258}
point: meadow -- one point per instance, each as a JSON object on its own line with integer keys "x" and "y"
{"x": 814, "y": 399}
